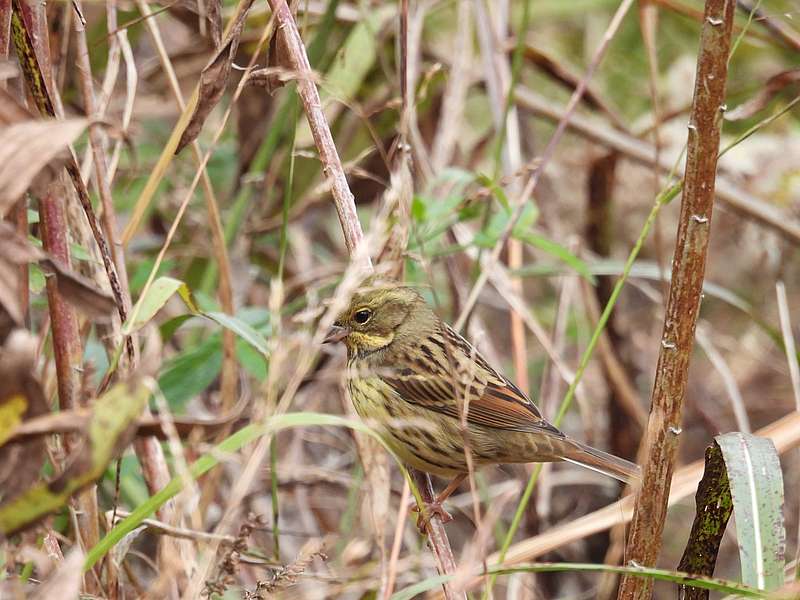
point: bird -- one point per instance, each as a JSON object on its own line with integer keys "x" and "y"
{"x": 433, "y": 397}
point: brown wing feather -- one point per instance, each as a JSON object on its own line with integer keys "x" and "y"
{"x": 493, "y": 400}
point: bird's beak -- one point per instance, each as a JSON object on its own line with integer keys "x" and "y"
{"x": 336, "y": 334}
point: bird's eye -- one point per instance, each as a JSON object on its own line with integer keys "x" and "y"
{"x": 362, "y": 316}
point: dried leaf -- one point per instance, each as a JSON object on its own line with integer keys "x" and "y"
{"x": 12, "y": 111}
{"x": 287, "y": 576}
{"x": 771, "y": 88}
{"x": 213, "y": 80}
{"x": 27, "y": 147}
{"x": 80, "y": 292}
{"x": 16, "y": 250}
{"x": 189, "y": 12}
{"x": 214, "y": 18}
{"x": 10, "y": 308}
{"x": 277, "y": 62}
{"x": 714, "y": 507}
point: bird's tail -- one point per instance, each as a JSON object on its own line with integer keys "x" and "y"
{"x": 603, "y": 462}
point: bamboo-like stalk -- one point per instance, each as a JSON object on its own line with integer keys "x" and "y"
{"x": 351, "y": 227}
{"x": 67, "y": 350}
{"x": 683, "y": 305}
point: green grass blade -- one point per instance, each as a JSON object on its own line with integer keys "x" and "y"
{"x": 707, "y": 583}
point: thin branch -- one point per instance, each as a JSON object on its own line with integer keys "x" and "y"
{"x": 328, "y": 156}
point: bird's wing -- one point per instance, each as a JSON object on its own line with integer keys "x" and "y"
{"x": 454, "y": 374}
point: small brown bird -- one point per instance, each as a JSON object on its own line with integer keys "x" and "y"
{"x": 413, "y": 377}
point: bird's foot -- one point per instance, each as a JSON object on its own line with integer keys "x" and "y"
{"x": 431, "y": 509}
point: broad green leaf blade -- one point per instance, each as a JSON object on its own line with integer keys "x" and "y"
{"x": 109, "y": 428}
{"x": 756, "y": 483}
{"x": 153, "y": 301}
{"x": 191, "y": 372}
{"x": 242, "y": 329}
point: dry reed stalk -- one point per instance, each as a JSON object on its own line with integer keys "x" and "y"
{"x": 683, "y": 305}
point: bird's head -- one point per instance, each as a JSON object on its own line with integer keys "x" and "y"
{"x": 375, "y": 317}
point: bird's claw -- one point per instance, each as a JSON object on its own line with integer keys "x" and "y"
{"x": 432, "y": 509}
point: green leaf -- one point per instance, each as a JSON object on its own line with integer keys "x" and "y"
{"x": 418, "y": 210}
{"x": 556, "y": 250}
{"x": 187, "y": 375}
{"x": 242, "y": 329}
{"x": 756, "y": 482}
{"x": 490, "y": 234}
{"x": 151, "y": 302}
{"x": 168, "y": 328}
{"x": 36, "y": 280}
{"x": 252, "y": 361}
{"x": 164, "y": 288}
{"x": 12, "y": 410}
{"x": 496, "y": 191}
{"x": 141, "y": 272}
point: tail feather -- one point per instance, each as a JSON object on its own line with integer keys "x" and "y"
{"x": 603, "y": 462}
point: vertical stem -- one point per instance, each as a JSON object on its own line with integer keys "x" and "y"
{"x": 683, "y": 305}
{"x": 328, "y": 156}
{"x": 437, "y": 536}
{"x": 67, "y": 349}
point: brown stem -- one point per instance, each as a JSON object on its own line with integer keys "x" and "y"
{"x": 67, "y": 348}
{"x": 683, "y": 305}
{"x": 437, "y": 536}
{"x": 328, "y": 156}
